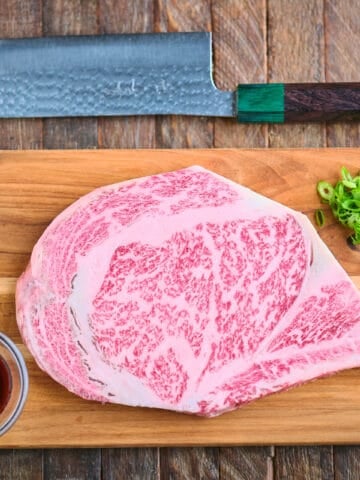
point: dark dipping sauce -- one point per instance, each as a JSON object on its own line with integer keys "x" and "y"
{"x": 5, "y": 384}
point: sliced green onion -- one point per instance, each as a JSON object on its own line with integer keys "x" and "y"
{"x": 320, "y": 217}
{"x": 356, "y": 193}
{"x": 357, "y": 180}
{"x": 325, "y": 190}
{"x": 345, "y": 174}
{"x": 351, "y": 204}
{"x": 339, "y": 190}
{"x": 344, "y": 201}
{"x": 349, "y": 184}
{"x": 356, "y": 237}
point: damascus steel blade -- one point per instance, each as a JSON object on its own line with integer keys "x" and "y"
{"x": 136, "y": 74}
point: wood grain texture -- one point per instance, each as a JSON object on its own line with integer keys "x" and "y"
{"x": 239, "y": 29}
{"x": 296, "y": 54}
{"x": 189, "y": 463}
{"x": 126, "y": 132}
{"x": 70, "y": 133}
{"x": 246, "y": 463}
{"x": 20, "y": 133}
{"x": 127, "y": 463}
{"x": 67, "y": 464}
{"x": 181, "y": 131}
{"x": 35, "y": 187}
{"x": 322, "y": 101}
{"x": 7, "y": 308}
{"x": 125, "y": 17}
{"x": 342, "y": 60}
{"x": 303, "y": 463}
{"x": 6, "y": 464}
{"x": 20, "y": 19}
{"x": 69, "y": 17}
{"x": 122, "y": 16}
{"x": 347, "y": 462}
{"x": 21, "y": 464}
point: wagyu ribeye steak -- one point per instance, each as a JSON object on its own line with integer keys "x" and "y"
{"x": 188, "y": 292}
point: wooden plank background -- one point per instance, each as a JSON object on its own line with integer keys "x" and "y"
{"x": 254, "y": 41}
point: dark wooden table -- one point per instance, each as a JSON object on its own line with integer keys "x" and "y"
{"x": 254, "y": 41}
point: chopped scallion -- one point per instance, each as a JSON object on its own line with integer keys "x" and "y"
{"x": 320, "y": 217}
{"x": 325, "y": 190}
{"x": 344, "y": 201}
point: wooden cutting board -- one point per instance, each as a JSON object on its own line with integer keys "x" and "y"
{"x": 36, "y": 185}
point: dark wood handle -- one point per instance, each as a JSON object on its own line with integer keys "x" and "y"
{"x": 318, "y": 102}
{"x": 298, "y": 102}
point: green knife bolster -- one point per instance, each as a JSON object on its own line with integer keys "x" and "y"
{"x": 260, "y": 103}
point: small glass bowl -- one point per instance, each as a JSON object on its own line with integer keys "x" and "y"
{"x": 19, "y": 381}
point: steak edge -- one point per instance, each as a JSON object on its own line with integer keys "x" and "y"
{"x": 188, "y": 292}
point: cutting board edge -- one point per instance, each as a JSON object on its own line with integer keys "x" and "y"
{"x": 177, "y": 155}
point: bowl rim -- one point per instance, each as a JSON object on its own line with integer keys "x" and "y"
{"x": 24, "y": 382}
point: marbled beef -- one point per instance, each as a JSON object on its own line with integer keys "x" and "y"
{"x": 188, "y": 292}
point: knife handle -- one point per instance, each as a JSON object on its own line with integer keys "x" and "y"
{"x": 298, "y": 102}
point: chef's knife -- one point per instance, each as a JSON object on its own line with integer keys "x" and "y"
{"x": 145, "y": 74}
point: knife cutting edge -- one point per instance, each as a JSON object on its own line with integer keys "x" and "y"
{"x": 148, "y": 74}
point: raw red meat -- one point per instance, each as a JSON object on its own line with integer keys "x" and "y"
{"x": 188, "y": 292}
